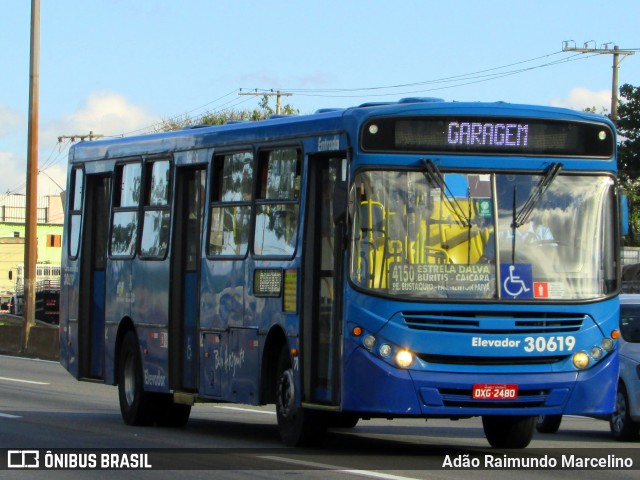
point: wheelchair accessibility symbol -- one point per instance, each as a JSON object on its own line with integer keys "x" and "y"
{"x": 517, "y": 280}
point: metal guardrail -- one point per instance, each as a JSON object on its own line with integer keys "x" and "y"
{"x": 42, "y": 285}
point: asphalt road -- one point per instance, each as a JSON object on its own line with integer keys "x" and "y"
{"x": 43, "y": 409}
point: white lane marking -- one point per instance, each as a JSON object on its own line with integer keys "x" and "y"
{"x": 246, "y": 410}
{"x": 6, "y": 415}
{"x": 362, "y": 473}
{"x": 24, "y": 381}
{"x": 13, "y": 357}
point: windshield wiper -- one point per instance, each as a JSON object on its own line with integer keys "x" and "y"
{"x": 523, "y": 215}
{"x": 529, "y": 205}
{"x": 435, "y": 177}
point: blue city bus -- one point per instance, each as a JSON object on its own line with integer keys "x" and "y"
{"x": 411, "y": 259}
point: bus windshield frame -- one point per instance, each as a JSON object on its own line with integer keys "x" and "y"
{"x": 414, "y": 237}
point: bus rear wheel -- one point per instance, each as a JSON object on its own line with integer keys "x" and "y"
{"x": 507, "y": 431}
{"x": 298, "y": 426}
{"x": 136, "y": 406}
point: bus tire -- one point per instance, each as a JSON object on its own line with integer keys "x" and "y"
{"x": 298, "y": 427}
{"x": 621, "y": 425}
{"x": 342, "y": 420}
{"x": 508, "y": 431}
{"x": 548, "y": 423}
{"x": 136, "y": 406}
{"x": 174, "y": 415}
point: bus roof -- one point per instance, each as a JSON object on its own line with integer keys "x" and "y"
{"x": 326, "y": 120}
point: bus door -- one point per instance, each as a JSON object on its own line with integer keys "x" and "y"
{"x": 92, "y": 276}
{"x": 184, "y": 290}
{"x": 321, "y": 306}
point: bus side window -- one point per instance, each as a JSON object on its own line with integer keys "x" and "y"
{"x": 277, "y": 205}
{"x": 232, "y": 183}
{"x": 155, "y": 226}
{"x": 125, "y": 210}
{"x": 75, "y": 207}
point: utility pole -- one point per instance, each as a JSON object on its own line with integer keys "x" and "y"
{"x": 616, "y": 52}
{"x": 31, "y": 213}
{"x": 278, "y": 94}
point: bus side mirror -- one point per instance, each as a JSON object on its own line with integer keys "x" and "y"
{"x": 340, "y": 194}
{"x": 624, "y": 215}
{"x": 10, "y": 275}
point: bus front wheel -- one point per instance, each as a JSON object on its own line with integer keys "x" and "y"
{"x": 136, "y": 405}
{"x": 342, "y": 420}
{"x": 548, "y": 423}
{"x": 508, "y": 431}
{"x": 621, "y": 424}
{"x": 172, "y": 414}
{"x": 299, "y": 427}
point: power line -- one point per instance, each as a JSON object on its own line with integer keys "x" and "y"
{"x": 176, "y": 117}
{"x": 460, "y": 83}
{"x": 234, "y": 102}
{"x": 425, "y": 82}
{"x": 49, "y": 177}
{"x": 457, "y": 80}
{"x": 57, "y": 159}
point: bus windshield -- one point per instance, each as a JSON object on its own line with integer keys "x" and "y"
{"x": 513, "y": 236}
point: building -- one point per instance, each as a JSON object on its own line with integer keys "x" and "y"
{"x": 50, "y": 218}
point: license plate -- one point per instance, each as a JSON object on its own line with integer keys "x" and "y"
{"x": 495, "y": 392}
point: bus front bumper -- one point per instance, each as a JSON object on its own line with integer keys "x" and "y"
{"x": 375, "y": 387}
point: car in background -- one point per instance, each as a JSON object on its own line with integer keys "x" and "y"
{"x": 624, "y": 422}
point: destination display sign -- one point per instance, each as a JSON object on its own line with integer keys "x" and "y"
{"x": 449, "y": 280}
{"x": 488, "y": 135}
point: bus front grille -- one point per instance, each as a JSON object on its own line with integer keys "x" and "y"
{"x": 490, "y": 361}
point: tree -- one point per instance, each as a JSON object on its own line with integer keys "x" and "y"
{"x": 629, "y": 130}
{"x": 629, "y": 154}
{"x": 224, "y": 116}
{"x": 603, "y": 111}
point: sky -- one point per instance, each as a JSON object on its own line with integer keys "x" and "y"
{"x": 119, "y": 67}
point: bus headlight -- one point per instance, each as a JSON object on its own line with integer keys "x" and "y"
{"x": 385, "y": 350}
{"x": 596, "y": 353}
{"x": 369, "y": 341}
{"x": 580, "y": 360}
{"x": 607, "y": 344}
{"x": 404, "y": 358}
